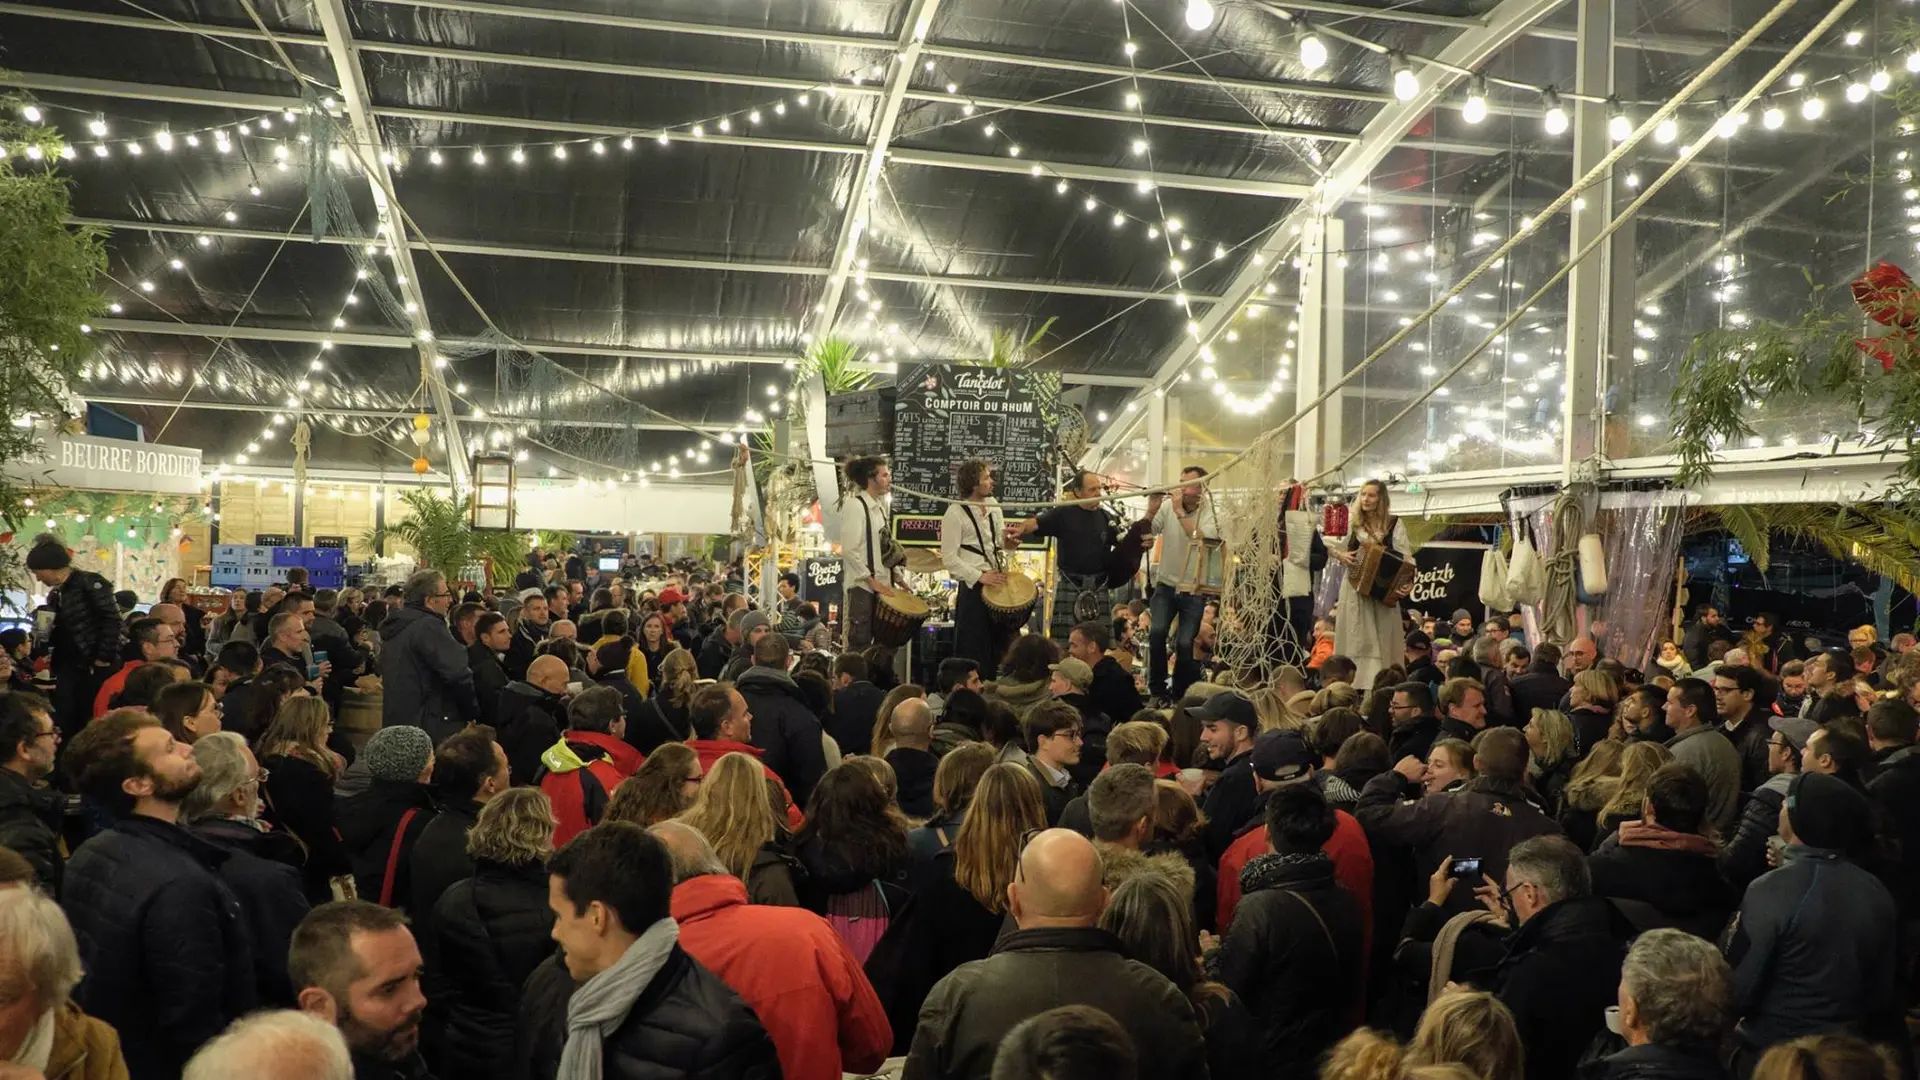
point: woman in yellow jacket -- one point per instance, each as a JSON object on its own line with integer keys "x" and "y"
{"x": 613, "y": 627}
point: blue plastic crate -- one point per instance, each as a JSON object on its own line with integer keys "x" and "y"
{"x": 226, "y": 576}
{"x": 289, "y": 556}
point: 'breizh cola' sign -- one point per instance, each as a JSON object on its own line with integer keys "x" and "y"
{"x": 83, "y": 461}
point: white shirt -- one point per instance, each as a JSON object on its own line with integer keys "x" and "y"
{"x": 1171, "y": 570}
{"x": 971, "y": 539}
{"x": 863, "y": 529}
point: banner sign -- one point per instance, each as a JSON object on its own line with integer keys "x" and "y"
{"x": 820, "y": 582}
{"x": 947, "y": 413}
{"x": 1447, "y": 579}
{"x": 83, "y": 461}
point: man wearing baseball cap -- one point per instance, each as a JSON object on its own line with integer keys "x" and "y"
{"x": 1419, "y": 659}
{"x": 1283, "y": 759}
{"x": 1228, "y": 724}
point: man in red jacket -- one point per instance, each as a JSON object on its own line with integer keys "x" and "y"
{"x": 1281, "y": 758}
{"x": 720, "y": 718}
{"x": 787, "y": 963}
{"x": 580, "y": 771}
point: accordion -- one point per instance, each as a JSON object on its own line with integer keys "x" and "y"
{"x": 1381, "y": 574}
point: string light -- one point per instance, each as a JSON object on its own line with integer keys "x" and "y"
{"x": 1666, "y": 131}
{"x": 1813, "y": 108}
{"x": 1406, "y": 85}
{"x": 1619, "y": 124}
{"x": 1556, "y": 119}
{"x": 1200, "y": 14}
{"x": 1475, "y": 110}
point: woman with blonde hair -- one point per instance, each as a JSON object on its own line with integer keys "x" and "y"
{"x": 960, "y": 903}
{"x": 882, "y": 738}
{"x": 1591, "y": 700}
{"x": 664, "y": 717}
{"x": 663, "y": 787}
{"x": 1464, "y": 1033}
{"x": 735, "y": 813}
{"x": 300, "y": 776}
{"x": 1368, "y": 631}
{"x": 490, "y": 931}
{"x": 1552, "y": 757}
{"x": 1827, "y": 1057}
{"x": 1638, "y": 762}
{"x": 1593, "y": 785}
{"x": 1336, "y": 695}
{"x": 1273, "y": 711}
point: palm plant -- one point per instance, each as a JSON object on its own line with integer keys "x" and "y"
{"x": 1883, "y": 539}
{"x": 436, "y": 529}
{"x": 1005, "y": 349}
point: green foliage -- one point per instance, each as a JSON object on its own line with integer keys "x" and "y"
{"x": 837, "y": 361}
{"x": 1882, "y": 538}
{"x": 556, "y": 541}
{"x": 436, "y": 529}
{"x": 47, "y": 272}
{"x": 1008, "y": 350}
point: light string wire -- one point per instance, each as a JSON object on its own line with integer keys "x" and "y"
{"x": 1600, "y": 169}
{"x": 1686, "y": 158}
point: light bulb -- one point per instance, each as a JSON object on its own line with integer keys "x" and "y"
{"x": 1619, "y": 127}
{"x": 1406, "y": 85}
{"x": 1913, "y": 60}
{"x": 98, "y": 125}
{"x": 1313, "y": 51}
{"x": 1856, "y": 92}
{"x": 31, "y": 113}
{"x": 1879, "y": 82}
{"x": 1772, "y": 118}
{"x": 1200, "y": 14}
{"x": 1475, "y": 110}
{"x": 1556, "y": 119}
{"x": 1813, "y": 108}
{"x": 1666, "y": 131}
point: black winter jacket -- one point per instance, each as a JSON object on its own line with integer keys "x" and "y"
{"x": 300, "y": 800}
{"x": 530, "y": 721}
{"x": 1113, "y": 692}
{"x": 785, "y": 728}
{"x": 1481, "y": 820}
{"x": 489, "y": 678}
{"x": 440, "y": 857}
{"x": 424, "y": 671}
{"x": 941, "y": 927}
{"x": 1561, "y": 971}
{"x": 658, "y": 723}
{"x": 86, "y": 623}
{"x": 1744, "y": 857}
{"x": 855, "y": 706}
{"x": 1895, "y": 791}
{"x": 714, "y": 654}
{"x": 272, "y": 896}
{"x": 1538, "y": 687}
{"x": 1655, "y": 1062}
{"x": 330, "y": 637}
{"x": 685, "y": 1024}
{"x": 1685, "y": 887}
{"x": 30, "y": 825}
{"x": 1292, "y": 954}
{"x": 163, "y": 940}
{"x": 1231, "y": 804}
{"x": 1814, "y": 951}
{"x": 367, "y": 824}
{"x": 1030, "y": 971}
{"x": 488, "y": 934}
{"x": 1414, "y": 738}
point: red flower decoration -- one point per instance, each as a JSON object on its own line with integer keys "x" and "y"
{"x": 1888, "y": 296}
{"x": 1885, "y": 349}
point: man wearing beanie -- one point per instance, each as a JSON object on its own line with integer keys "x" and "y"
{"x": 754, "y": 625}
{"x": 381, "y": 824}
{"x": 1813, "y": 949}
{"x": 86, "y": 631}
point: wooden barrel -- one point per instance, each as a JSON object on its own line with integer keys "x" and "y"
{"x": 359, "y": 715}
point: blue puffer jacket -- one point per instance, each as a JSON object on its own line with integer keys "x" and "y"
{"x": 166, "y": 948}
{"x": 424, "y": 674}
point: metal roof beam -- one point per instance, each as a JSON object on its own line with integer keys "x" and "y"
{"x": 1467, "y": 51}
{"x": 515, "y": 251}
{"x": 942, "y": 159}
{"x": 356, "y": 101}
{"x": 403, "y": 414}
{"x": 378, "y": 340}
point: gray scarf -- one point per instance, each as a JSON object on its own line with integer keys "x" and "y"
{"x": 603, "y": 1002}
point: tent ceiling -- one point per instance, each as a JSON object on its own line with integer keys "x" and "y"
{"x": 679, "y": 275}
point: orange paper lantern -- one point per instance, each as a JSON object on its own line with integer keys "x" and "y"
{"x": 420, "y": 465}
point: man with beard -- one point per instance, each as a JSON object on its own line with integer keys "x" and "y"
{"x": 356, "y": 966}
{"x": 168, "y": 957}
{"x": 528, "y": 632}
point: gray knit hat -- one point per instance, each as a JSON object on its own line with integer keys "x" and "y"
{"x": 752, "y": 620}
{"x": 400, "y": 752}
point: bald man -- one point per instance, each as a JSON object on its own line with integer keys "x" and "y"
{"x": 1057, "y": 957}
{"x": 532, "y": 713}
{"x": 911, "y": 727}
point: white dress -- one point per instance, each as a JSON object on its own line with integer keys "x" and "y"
{"x": 1367, "y": 631}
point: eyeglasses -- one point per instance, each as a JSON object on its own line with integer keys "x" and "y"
{"x": 1073, "y": 733}
{"x": 260, "y": 777}
{"x": 51, "y": 733}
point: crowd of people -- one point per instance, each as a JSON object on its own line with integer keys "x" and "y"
{"x": 622, "y": 832}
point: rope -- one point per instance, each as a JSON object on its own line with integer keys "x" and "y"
{"x": 1557, "y": 610}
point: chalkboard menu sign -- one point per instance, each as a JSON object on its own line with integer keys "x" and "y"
{"x": 947, "y": 413}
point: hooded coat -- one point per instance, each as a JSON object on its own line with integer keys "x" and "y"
{"x": 530, "y": 720}
{"x": 1294, "y": 956}
{"x": 424, "y": 674}
{"x": 579, "y": 773}
{"x": 1483, "y": 820}
{"x": 30, "y": 825}
{"x": 785, "y": 728}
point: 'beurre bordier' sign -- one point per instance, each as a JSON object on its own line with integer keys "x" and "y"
{"x": 83, "y": 461}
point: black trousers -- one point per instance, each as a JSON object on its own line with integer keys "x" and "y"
{"x": 976, "y": 636}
